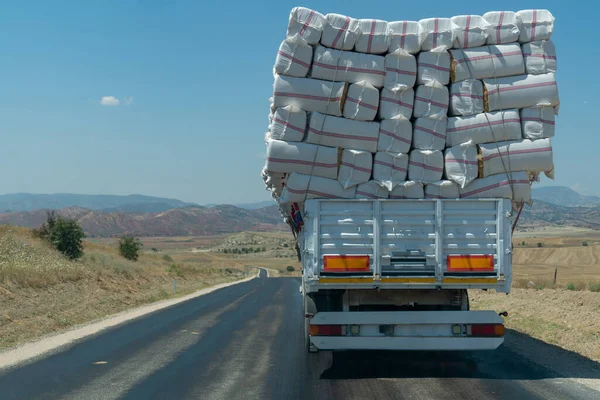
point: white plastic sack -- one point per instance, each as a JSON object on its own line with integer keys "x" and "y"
{"x": 516, "y": 188}
{"x": 438, "y": 32}
{"x": 431, "y": 101}
{"x": 520, "y": 155}
{"x": 400, "y": 70}
{"x": 395, "y": 135}
{"x": 466, "y": 97}
{"x": 362, "y": 102}
{"x": 521, "y": 92}
{"x": 274, "y": 182}
{"x": 371, "y": 190}
{"x": 294, "y": 57}
{"x": 405, "y": 35}
{"x": 540, "y": 57}
{"x": 373, "y": 38}
{"x": 504, "y": 27}
{"x": 347, "y": 66}
{"x": 461, "y": 163}
{"x": 426, "y": 166}
{"x": 301, "y": 187}
{"x": 339, "y": 32}
{"x": 433, "y": 66}
{"x": 303, "y": 158}
{"x": 442, "y": 190}
{"x": 537, "y": 122}
{"x": 408, "y": 190}
{"x": 472, "y": 31}
{"x": 429, "y": 134}
{"x": 288, "y": 123}
{"x": 535, "y": 25}
{"x": 484, "y": 128}
{"x": 390, "y": 169}
{"x": 484, "y": 62}
{"x": 309, "y": 94}
{"x": 341, "y": 132}
{"x": 306, "y": 23}
{"x": 355, "y": 168}
{"x": 396, "y": 103}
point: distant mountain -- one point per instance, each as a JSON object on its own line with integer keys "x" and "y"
{"x": 564, "y": 196}
{"x": 186, "y": 221}
{"x": 542, "y": 213}
{"x": 135, "y": 202}
{"x": 256, "y": 206}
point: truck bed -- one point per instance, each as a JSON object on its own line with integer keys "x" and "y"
{"x": 404, "y": 244}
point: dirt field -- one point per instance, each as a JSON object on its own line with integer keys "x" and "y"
{"x": 565, "y": 318}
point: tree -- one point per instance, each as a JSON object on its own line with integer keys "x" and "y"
{"x": 290, "y": 268}
{"x": 66, "y": 235}
{"x": 129, "y": 247}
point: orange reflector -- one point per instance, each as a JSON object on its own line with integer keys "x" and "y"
{"x": 487, "y": 330}
{"x": 470, "y": 263}
{"x": 325, "y": 330}
{"x": 346, "y": 264}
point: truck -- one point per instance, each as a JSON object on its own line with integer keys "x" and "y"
{"x": 394, "y": 274}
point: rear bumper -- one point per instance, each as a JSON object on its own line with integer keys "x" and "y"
{"x": 412, "y": 330}
{"x": 405, "y": 343}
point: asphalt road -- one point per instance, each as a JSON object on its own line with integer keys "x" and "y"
{"x": 246, "y": 342}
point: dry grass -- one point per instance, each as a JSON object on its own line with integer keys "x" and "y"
{"x": 41, "y": 292}
{"x": 568, "y": 319}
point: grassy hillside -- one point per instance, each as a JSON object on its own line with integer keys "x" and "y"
{"x": 41, "y": 292}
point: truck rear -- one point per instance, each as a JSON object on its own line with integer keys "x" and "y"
{"x": 394, "y": 274}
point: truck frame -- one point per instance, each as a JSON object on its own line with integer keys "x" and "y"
{"x": 394, "y": 274}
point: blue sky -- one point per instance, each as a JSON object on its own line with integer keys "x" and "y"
{"x": 193, "y": 80}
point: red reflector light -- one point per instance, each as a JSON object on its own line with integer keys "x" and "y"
{"x": 326, "y": 330}
{"x": 487, "y": 330}
{"x": 346, "y": 264}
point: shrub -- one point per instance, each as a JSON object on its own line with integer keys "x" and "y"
{"x": 570, "y": 286}
{"x": 175, "y": 269}
{"x": 286, "y": 245}
{"x": 167, "y": 258}
{"x": 540, "y": 244}
{"x": 65, "y": 235}
{"x": 263, "y": 249}
{"x": 154, "y": 249}
{"x": 129, "y": 247}
{"x": 523, "y": 244}
{"x": 584, "y": 243}
{"x": 594, "y": 287}
{"x": 290, "y": 268}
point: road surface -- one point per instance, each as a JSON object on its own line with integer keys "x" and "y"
{"x": 246, "y": 342}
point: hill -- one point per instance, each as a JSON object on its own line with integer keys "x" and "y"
{"x": 563, "y": 196}
{"x": 187, "y": 221}
{"x": 135, "y": 202}
{"x": 544, "y": 214}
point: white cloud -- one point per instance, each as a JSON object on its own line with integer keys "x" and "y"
{"x": 109, "y": 101}
{"x": 128, "y": 100}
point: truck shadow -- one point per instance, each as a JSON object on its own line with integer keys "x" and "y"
{"x": 521, "y": 357}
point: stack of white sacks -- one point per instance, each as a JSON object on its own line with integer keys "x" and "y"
{"x": 458, "y": 107}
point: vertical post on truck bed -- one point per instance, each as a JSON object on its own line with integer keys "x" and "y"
{"x": 376, "y": 237}
{"x": 439, "y": 241}
{"x": 500, "y": 242}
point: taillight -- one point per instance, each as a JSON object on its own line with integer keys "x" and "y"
{"x": 487, "y": 330}
{"x": 326, "y": 330}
